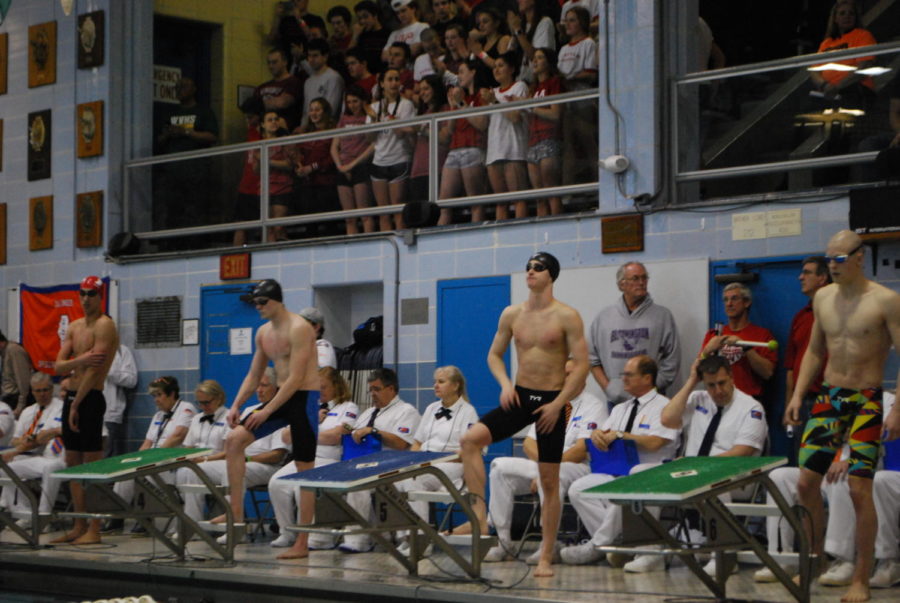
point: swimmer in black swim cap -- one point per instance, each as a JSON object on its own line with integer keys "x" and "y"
{"x": 546, "y": 261}
{"x": 268, "y": 288}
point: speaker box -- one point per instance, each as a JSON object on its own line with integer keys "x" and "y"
{"x": 875, "y": 210}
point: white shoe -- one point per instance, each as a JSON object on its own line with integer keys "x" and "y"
{"x": 767, "y": 575}
{"x": 24, "y": 523}
{"x": 405, "y": 549}
{"x": 580, "y": 554}
{"x": 283, "y": 541}
{"x": 887, "y": 574}
{"x": 839, "y": 574}
{"x": 710, "y": 568}
{"x": 535, "y": 557}
{"x": 321, "y": 544}
{"x": 354, "y": 547}
{"x": 498, "y": 553}
{"x": 643, "y": 564}
{"x": 240, "y": 537}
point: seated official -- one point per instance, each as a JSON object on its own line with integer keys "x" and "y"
{"x": 887, "y": 505}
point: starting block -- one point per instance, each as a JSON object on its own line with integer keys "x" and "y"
{"x": 696, "y": 483}
{"x": 9, "y": 478}
{"x": 145, "y": 467}
{"x": 378, "y": 472}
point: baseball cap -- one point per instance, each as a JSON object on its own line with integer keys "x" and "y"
{"x": 313, "y": 315}
{"x": 398, "y": 4}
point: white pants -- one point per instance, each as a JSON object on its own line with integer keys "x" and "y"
{"x": 257, "y": 474}
{"x": 285, "y": 497}
{"x": 840, "y": 532}
{"x": 429, "y": 483}
{"x": 512, "y": 476}
{"x": 33, "y": 467}
{"x": 887, "y": 504}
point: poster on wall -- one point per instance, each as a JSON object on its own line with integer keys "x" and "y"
{"x": 89, "y": 129}
{"x": 40, "y": 223}
{"x": 46, "y": 313}
{"x": 90, "y": 40}
{"x": 42, "y": 54}
{"x": 39, "y": 137}
{"x": 2, "y": 233}
{"x": 4, "y": 60}
{"x": 89, "y": 219}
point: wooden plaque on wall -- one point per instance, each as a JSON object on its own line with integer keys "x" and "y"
{"x": 89, "y": 219}
{"x": 90, "y": 40}
{"x": 89, "y": 129}
{"x": 4, "y": 60}
{"x": 40, "y": 134}
{"x": 1, "y": 145}
{"x": 622, "y": 233}
{"x": 42, "y": 54}
{"x": 2, "y": 233}
{"x": 40, "y": 222}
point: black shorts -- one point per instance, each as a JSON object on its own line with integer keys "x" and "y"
{"x": 392, "y": 173}
{"x": 247, "y": 207}
{"x": 89, "y": 437}
{"x": 357, "y": 175}
{"x": 301, "y": 413}
{"x": 504, "y": 423}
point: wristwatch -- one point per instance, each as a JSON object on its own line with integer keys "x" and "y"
{"x": 620, "y": 435}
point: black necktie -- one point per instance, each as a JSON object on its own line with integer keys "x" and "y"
{"x": 371, "y": 422}
{"x": 207, "y": 419}
{"x": 443, "y": 413}
{"x": 167, "y": 416}
{"x": 631, "y": 417}
{"x": 710, "y": 434}
{"x": 323, "y": 405}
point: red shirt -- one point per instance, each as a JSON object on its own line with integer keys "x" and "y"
{"x": 464, "y": 133}
{"x": 744, "y": 378}
{"x": 798, "y": 340}
{"x": 542, "y": 129}
{"x": 318, "y": 153}
{"x": 249, "y": 184}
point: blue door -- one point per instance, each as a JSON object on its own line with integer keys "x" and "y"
{"x": 467, "y": 315}
{"x": 776, "y": 298}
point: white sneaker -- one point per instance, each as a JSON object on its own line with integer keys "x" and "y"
{"x": 767, "y": 575}
{"x": 321, "y": 544}
{"x": 355, "y": 547}
{"x": 405, "y": 549}
{"x": 887, "y": 574}
{"x": 283, "y": 541}
{"x": 24, "y": 523}
{"x": 710, "y": 568}
{"x": 240, "y": 537}
{"x": 535, "y": 557}
{"x": 580, "y": 554}
{"x": 497, "y": 553}
{"x": 643, "y": 564}
{"x": 839, "y": 574}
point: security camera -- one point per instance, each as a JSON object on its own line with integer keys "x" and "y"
{"x": 615, "y": 164}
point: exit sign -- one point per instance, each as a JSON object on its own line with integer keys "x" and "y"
{"x": 234, "y": 266}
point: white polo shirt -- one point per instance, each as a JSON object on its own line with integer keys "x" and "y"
{"x": 338, "y": 414}
{"x": 398, "y": 417}
{"x": 162, "y": 428}
{"x": 206, "y": 434}
{"x": 647, "y": 421}
{"x": 443, "y": 434}
{"x": 743, "y": 423}
{"x": 588, "y": 413}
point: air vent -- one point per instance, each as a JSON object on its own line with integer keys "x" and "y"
{"x": 159, "y": 322}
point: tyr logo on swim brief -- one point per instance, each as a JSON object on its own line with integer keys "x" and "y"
{"x": 534, "y": 398}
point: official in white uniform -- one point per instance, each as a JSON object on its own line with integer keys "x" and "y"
{"x": 324, "y": 349}
{"x": 7, "y": 424}
{"x": 338, "y": 411}
{"x": 512, "y": 476}
{"x": 887, "y": 504}
{"x": 394, "y": 422}
{"x": 37, "y": 449}
{"x": 638, "y": 420}
{"x": 122, "y": 376}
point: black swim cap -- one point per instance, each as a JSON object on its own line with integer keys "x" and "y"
{"x": 268, "y": 288}
{"x": 549, "y": 261}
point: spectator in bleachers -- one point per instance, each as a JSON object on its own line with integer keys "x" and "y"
{"x": 577, "y": 62}
{"x": 444, "y": 14}
{"x": 432, "y": 99}
{"x": 369, "y": 36}
{"x": 887, "y": 139}
{"x": 507, "y": 135}
{"x": 340, "y": 19}
{"x": 544, "y": 130}
{"x": 284, "y": 92}
{"x": 352, "y": 156}
{"x": 291, "y": 23}
{"x": 358, "y": 72}
{"x": 399, "y": 59}
{"x": 313, "y": 164}
{"x": 431, "y": 60}
{"x": 323, "y": 82}
{"x": 410, "y": 29}
{"x": 490, "y": 38}
{"x": 393, "y": 147}
{"x": 281, "y": 187}
{"x": 593, "y": 9}
{"x": 247, "y": 201}
{"x": 531, "y": 29}
{"x": 842, "y": 32}
{"x": 455, "y": 41}
{"x": 463, "y": 170}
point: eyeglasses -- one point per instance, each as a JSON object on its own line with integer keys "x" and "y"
{"x": 199, "y": 401}
{"x": 536, "y": 266}
{"x": 841, "y": 258}
{"x": 42, "y": 390}
{"x": 628, "y": 374}
{"x": 89, "y": 293}
{"x": 260, "y": 301}
{"x": 374, "y": 389}
{"x": 638, "y": 278}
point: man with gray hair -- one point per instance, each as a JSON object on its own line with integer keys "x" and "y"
{"x": 751, "y": 366}
{"x": 633, "y": 326}
{"x": 324, "y": 349}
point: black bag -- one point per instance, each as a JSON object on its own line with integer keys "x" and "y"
{"x": 370, "y": 333}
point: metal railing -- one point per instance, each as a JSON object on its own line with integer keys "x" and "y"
{"x": 433, "y": 120}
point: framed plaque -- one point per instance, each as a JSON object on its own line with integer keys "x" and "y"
{"x": 622, "y": 233}
{"x": 1, "y": 145}
{"x": 89, "y": 219}
{"x": 89, "y": 129}
{"x": 39, "y": 152}
{"x": 40, "y": 223}
{"x": 4, "y": 60}
{"x": 2, "y": 233}
{"x": 42, "y": 54}
{"x": 90, "y": 40}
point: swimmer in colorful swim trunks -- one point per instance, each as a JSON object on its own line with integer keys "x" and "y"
{"x": 856, "y": 321}
{"x": 546, "y": 333}
{"x": 289, "y": 342}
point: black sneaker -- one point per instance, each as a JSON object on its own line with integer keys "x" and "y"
{"x": 113, "y": 525}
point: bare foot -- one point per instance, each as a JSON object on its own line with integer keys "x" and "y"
{"x": 543, "y": 570}
{"x": 857, "y": 592}
{"x": 294, "y": 553}
{"x": 88, "y": 538}
{"x": 817, "y": 567}
{"x": 68, "y": 537}
{"x": 223, "y": 519}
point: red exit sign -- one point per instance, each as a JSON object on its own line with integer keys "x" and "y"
{"x": 234, "y": 266}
